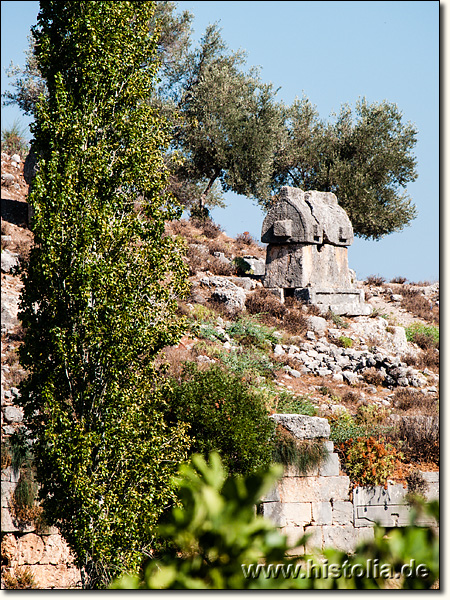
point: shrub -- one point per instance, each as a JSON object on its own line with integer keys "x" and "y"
{"x": 373, "y": 376}
{"x": 209, "y": 229}
{"x": 249, "y": 333}
{"x": 249, "y": 363}
{"x": 344, "y": 342}
{"x": 408, "y": 399}
{"x": 376, "y": 280}
{"x": 24, "y": 506}
{"x": 263, "y": 303}
{"x": 369, "y": 461}
{"x": 424, "y": 336}
{"x": 344, "y": 427}
{"x": 245, "y": 239}
{"x": 419, "y": 437}
{"x": 287, "y": 403}
{"x": 371, "y": 416}
{"x": 398, "y": 279}
{"x": 337, "y": 320}
{"x": 417, "y": 304}
{"x": 223, "y": 415}
{"x": 417, "y": 486}
{"x": 14, "y": 140}
{"x": 304, "y": 455}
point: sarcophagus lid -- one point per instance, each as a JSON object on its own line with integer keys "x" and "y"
{"x": 306, "y": 217}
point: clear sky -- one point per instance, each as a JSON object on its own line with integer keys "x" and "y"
{"x": 334, "y": 53}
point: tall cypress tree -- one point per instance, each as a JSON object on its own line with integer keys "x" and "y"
{"x": 100, "y": 286}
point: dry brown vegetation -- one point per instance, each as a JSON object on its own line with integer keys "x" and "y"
{"x": 418, "y": 305}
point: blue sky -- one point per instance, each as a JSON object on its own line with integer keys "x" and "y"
{"x": 334, "y": 53}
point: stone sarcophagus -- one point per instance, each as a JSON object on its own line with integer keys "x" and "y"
{"x": 307, "y": 235}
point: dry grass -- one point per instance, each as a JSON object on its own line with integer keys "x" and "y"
{"x": 418, "y": 305}
{"x": 429, "y": 359}
{"x": 399, "y": 280}
{"x": 375, "y": 280}
{"x": 373, "y": 376}
{"x": 414, "y": 402}
{"x": 419, "y": 439}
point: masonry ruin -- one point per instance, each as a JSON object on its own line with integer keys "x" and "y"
{"x": 308, "y": 234}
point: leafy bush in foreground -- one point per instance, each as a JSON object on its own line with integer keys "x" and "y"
{"x": 223, "y": 415}
{"x": 218, "y": 539}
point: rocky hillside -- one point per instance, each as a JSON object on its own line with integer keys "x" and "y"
{"x": 379, "y": 370}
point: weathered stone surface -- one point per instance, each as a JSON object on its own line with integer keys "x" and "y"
{"x": 340, "y": 537}
{"x": 56, "y": 577}
{"x": 317, "y": 324}
{"x": 321, "y": 489}
{"x": 293, "y": 537}
{"x": 293, "y": 266}
{"x": 9, "y": 261}
{"x": 56, "y": 551}
{"x": 30, "y": 549}
{"x": 304, "y": 427}
{"x": 273, "y": 495}
{"x": 234, "y": 300}
{"x": 389, "y": 515}
{"x": 342, "y": 513}
{"x": 321, "y": 513}
{"x": 330, "y": 467}
{"x": 8, "y": 488}
{"x": 9, "y": 549}
{"x": 253, "y": 266}
{"x": 13, "y": 414}
{"x": 378, "y": 496}
{"x": 274, "y": 512}
{"x": 315, "y": 539}
{"x": 296, "y": 513}
{"x": 311, "y": 217}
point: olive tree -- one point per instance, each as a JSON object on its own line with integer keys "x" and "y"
{"x": 365, "y": 159}
{"x": 100, "y": 286}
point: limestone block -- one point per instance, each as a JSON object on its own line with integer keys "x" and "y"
{"x": 13, "y": 414}
{"x": 30, "y": 549}
{"x": 317, "y": 324}
{"x": 8, "y": 488}
{"x": 56, "y": 577}
{"x": 293, "y": 537}
{"x": 273, "y": 495}
{"x": 274, "y": 512}
{"x": 389, "y": 515}
{"x": 330, "y": 467}
{"x": 322, "y": 513}
{"x": 340, "y": 537}
{"x": 297, "y": 513}
{"x": 314, "y": 489}
{"x": 9, "y": 549}
{"x": 364, "y": 534}
{"x": 342, "y": 513}
{"x": 304, "y": 427}
{"x": 329, "y": 445}
{"x": 292, "y": 471}
{"x": 9, "y": 474}
{"x": 56, "y": 551}
{"x": 315, "y": 539}
{"x": 378, "y": 496}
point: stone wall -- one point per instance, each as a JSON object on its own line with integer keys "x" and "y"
{"x": 43, "y": 552}
{"x": 323, "y": 504}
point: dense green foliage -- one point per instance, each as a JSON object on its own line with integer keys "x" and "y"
{"x": 365, "y": 159}
{"x": 100, "y": 286}
{"x": 223, "y": 415}
{"x": 220, "y": 542}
